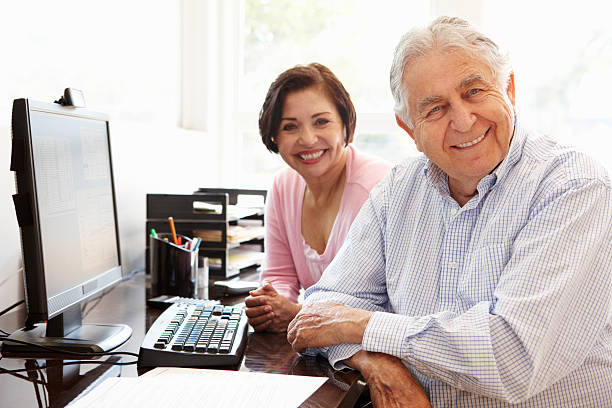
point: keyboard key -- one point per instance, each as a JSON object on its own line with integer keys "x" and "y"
{"x": 228, "y": 335}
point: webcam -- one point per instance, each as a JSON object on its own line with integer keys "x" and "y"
{"x": 72, "y": 97}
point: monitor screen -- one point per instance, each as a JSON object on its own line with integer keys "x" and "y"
{"x": 76, "y": 210}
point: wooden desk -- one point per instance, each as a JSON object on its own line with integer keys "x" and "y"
{"x": 265, "y": 352}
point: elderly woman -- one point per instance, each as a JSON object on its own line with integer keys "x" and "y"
{"x": 309, "y": 119}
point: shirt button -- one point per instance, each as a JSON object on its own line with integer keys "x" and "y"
{"x": 453, "y": 211}
{"x": 453, "y": 265}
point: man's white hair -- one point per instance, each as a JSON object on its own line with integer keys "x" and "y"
{"x": 443, "y": 33}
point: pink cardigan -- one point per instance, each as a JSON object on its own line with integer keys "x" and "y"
{"x": 290, "y": 263}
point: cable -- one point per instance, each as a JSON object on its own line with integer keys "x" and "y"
{"x": 23, "y": 377}
{"x": 41, "y": 375}
{"x": 33, "y": 378}
{"x": 74, "y": 353}
{"x": 97, "y": 300}
{"x": 131, "y": 274}
{"x": 85, "y": 311}
{"x": 21, "y": 370}
{"x": 11, "y": 307}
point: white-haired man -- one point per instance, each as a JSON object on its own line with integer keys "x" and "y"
{"x": 483, "y": 268}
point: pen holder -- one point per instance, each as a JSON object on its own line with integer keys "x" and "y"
{"x": 174, "y": 269}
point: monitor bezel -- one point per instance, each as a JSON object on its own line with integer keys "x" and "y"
{"x": 40, "y": 306}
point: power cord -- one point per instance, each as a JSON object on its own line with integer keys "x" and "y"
{"x": 72, "y": 353}
{"x": 23, "y": 377}
{"x": 11, "y": 307}
{"x": 131, "y": 274}
{"x": 85, "y": 310}
{"x": 96, "y": 301}
{"x": 33, "y": 367}
{"x": 44, "y": 386}
{"x": 67, "y": 363}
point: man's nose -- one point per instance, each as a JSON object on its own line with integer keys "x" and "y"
{"x": 462, "y": 118}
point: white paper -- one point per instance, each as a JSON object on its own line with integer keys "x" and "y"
{"x": 184, "y": 387}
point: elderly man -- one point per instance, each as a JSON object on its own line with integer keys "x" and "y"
{"x": 483, "y": 267}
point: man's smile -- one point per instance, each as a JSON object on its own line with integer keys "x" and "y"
{"x": 472, "y": 142}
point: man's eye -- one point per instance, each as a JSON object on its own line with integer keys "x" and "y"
{"x": 435, "y": 110}
{"x": 474, "y": 91}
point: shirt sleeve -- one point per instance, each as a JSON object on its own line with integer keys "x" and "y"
{"x": 278, "y": 265}
{"x": 550, "y": 306}
{"x": 356, "y": 276}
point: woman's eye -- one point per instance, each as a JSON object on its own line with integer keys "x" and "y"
{"x": 321, "y": 121}
{"x": 289, "y": 126}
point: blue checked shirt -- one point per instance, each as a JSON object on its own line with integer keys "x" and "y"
{"x": 506, "y": 300}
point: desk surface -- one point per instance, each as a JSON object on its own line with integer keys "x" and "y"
{"x": 125, "y": 303}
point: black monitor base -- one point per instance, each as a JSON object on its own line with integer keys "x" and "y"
{"x": 65, "y": 332}
{"x": 87, "y": 338}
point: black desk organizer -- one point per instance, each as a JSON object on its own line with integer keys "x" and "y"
{"x": 187, "y": 220}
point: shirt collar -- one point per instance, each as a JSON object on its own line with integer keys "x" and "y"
{"x": 439, "y": 179}
{"x": 515, "y": 151}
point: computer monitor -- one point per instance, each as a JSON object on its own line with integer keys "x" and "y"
{"x": 66, "y": 211}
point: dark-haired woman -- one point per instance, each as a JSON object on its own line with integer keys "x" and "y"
{"x": 309, "y": 119}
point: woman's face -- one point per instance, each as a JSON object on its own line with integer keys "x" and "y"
{"x": 311, "y": 134}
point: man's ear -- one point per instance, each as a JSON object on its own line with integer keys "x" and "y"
{"x": 510, "y": 89}
{"x": 404, "y": 126}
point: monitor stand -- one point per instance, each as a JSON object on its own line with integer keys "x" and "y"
{"x": 65, "y": 332}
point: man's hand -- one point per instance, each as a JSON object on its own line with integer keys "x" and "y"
{"x": 391, "y": 384}
{"x": 268, "y": 310}
{"x": 323, "y": 324}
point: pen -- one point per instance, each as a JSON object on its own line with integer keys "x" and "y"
{"x": 171, "y": 221}
{"x": 153, "y": 233}
{"x": 195, "y": 243}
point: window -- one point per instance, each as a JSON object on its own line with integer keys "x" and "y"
{"x": 562, "y": 58}
{"x": 347, "y": 37}
{"x": 560, "y": 55}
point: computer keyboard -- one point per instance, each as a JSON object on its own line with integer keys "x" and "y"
{"x": 188, "y": 335}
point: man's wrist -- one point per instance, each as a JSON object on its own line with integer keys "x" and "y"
{"x": 358, "y": 361}
{"x": 358, "y": 327}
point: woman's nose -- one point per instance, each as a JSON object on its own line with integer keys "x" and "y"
{"x": 308, "y": 136}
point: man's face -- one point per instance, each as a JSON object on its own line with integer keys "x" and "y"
{"x": 463, "y": 121}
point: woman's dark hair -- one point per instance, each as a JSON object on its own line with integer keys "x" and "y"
{"x": 296, "y": 79}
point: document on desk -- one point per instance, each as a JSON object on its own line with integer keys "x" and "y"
{"x": 188, "y": 387}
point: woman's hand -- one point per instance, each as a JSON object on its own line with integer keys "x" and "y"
{"x": 267, "y": 310}
{"x": 322, "y": 324}
{"x": 390, "y": 382}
